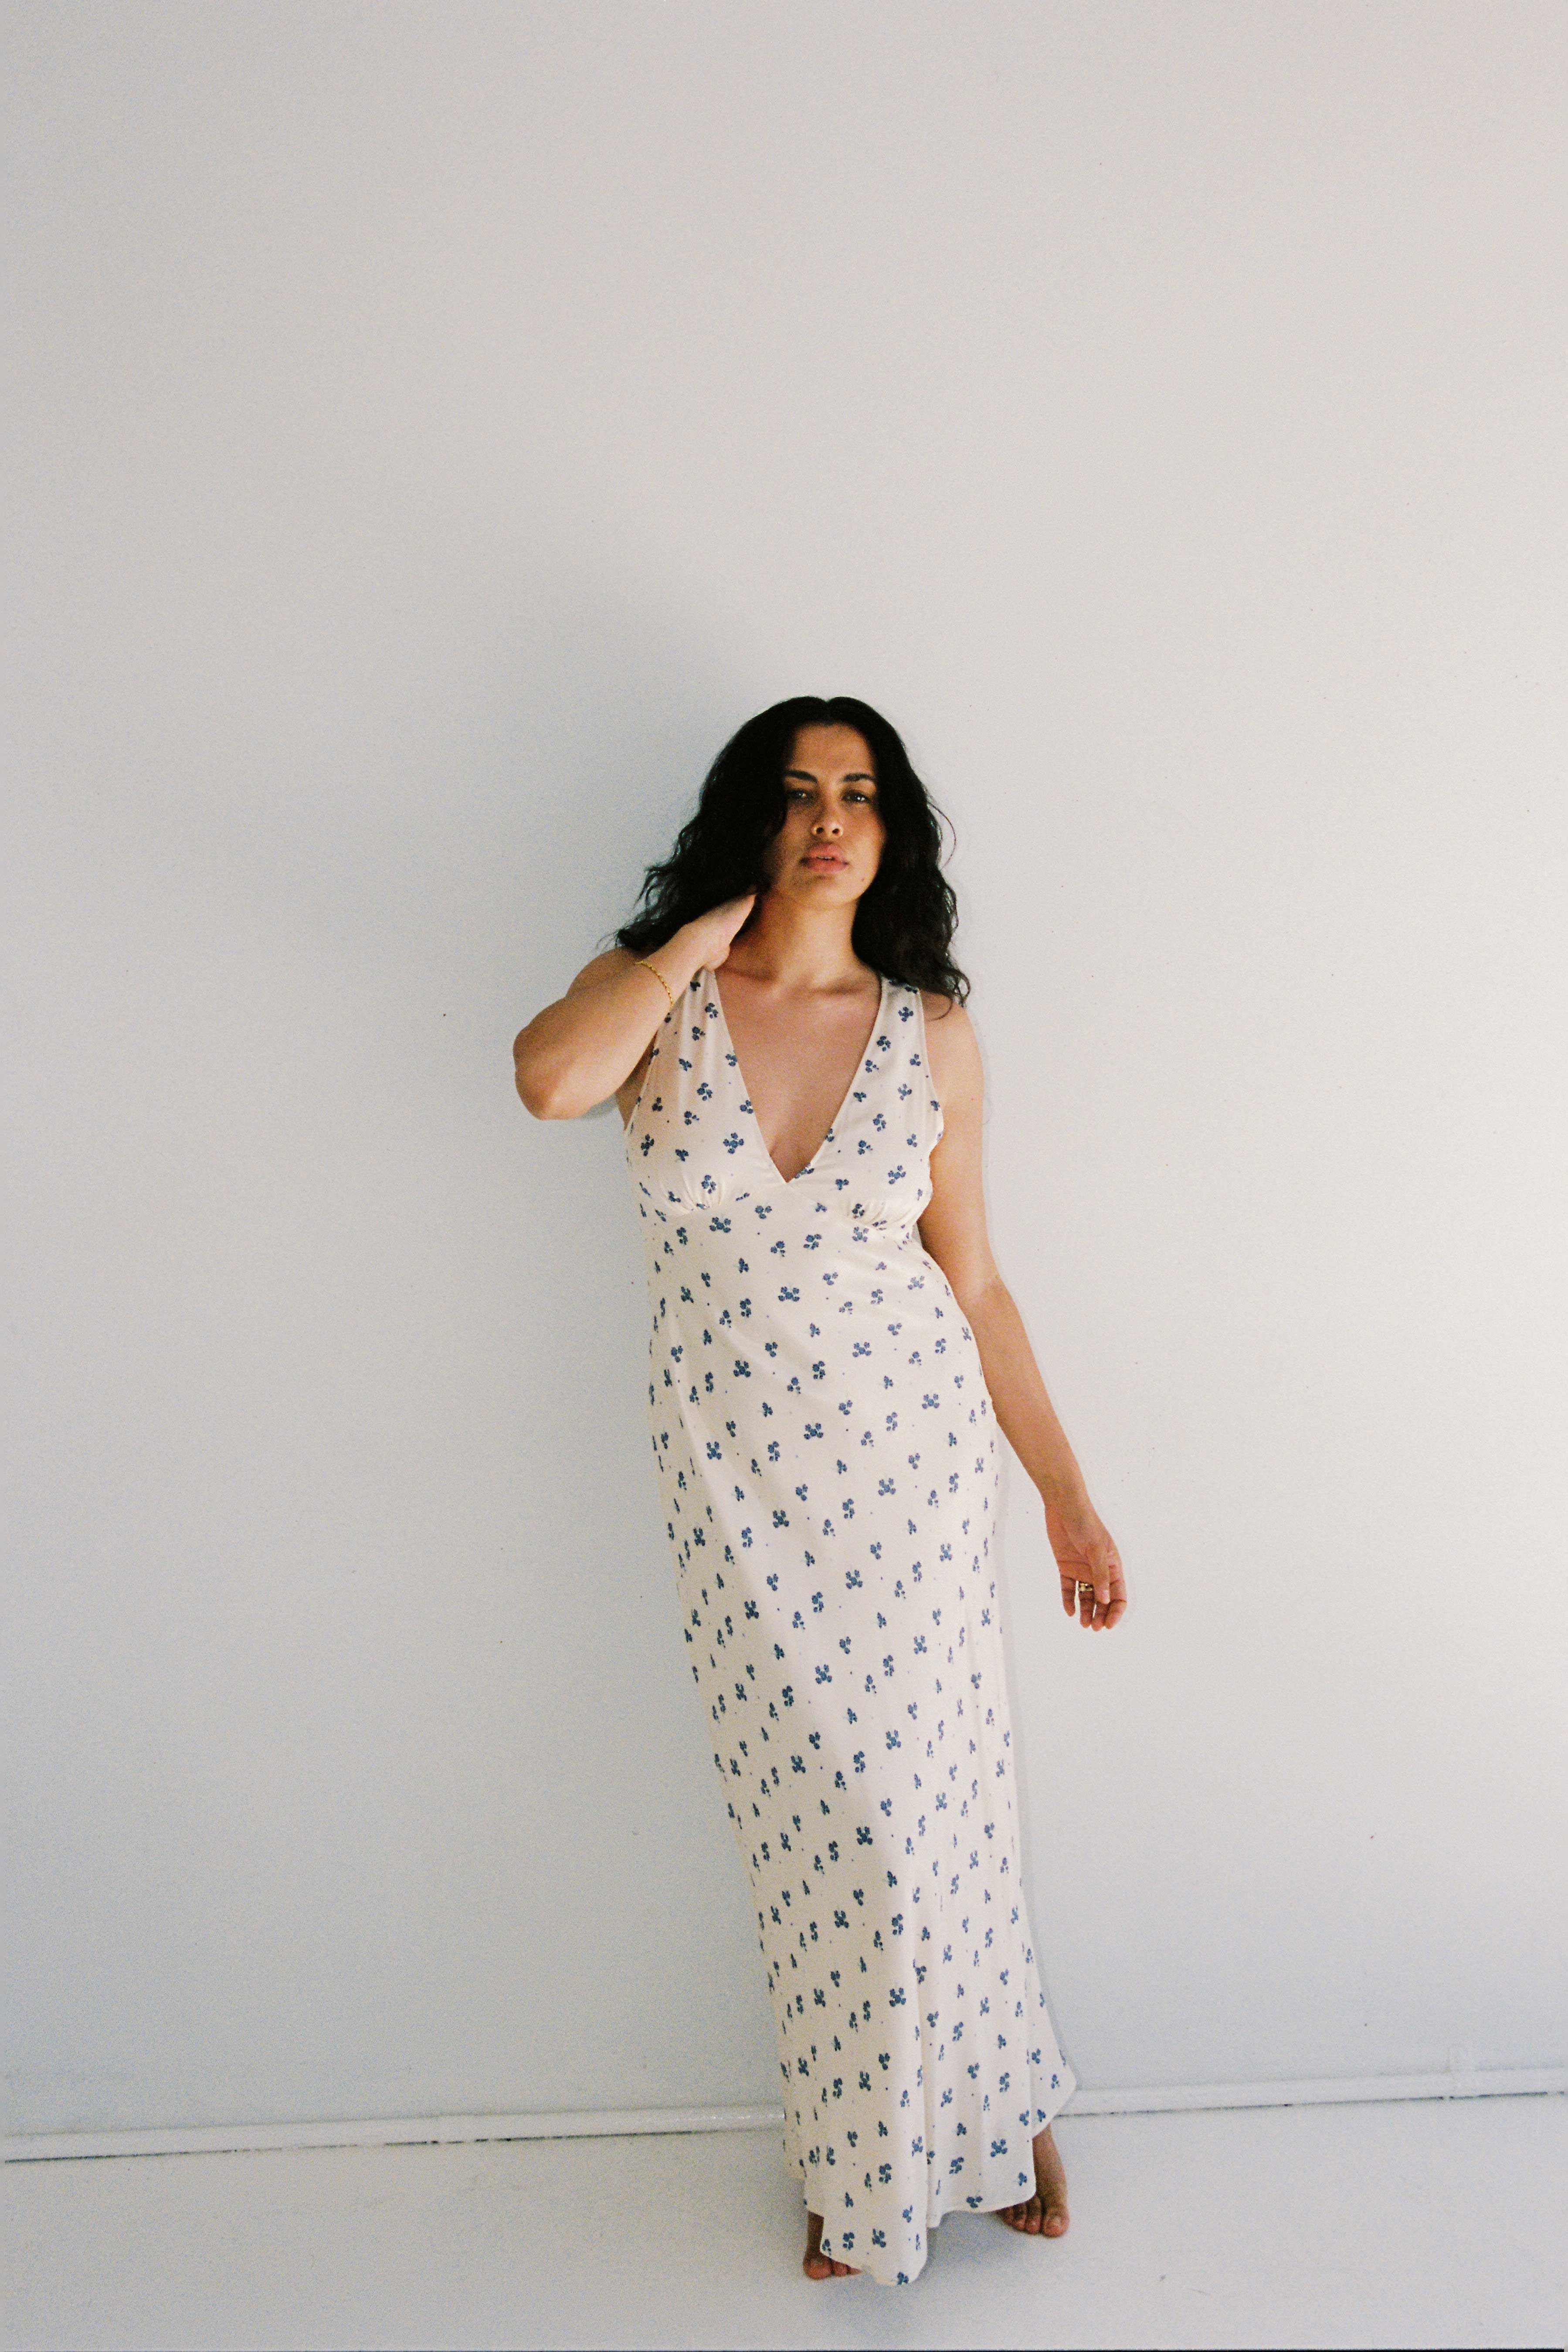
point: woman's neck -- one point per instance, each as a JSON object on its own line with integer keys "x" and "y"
{"x": 798, "y": 949}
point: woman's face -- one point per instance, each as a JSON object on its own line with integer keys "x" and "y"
{"x": 831, "y": 840}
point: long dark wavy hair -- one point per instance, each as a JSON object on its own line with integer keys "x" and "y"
{"x": 904, "y": 921}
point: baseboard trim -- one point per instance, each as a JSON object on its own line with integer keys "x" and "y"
{"x": 430, "y": 2131}
{"x": 1323, "y": 2091}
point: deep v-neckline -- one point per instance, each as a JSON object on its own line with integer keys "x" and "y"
{"x": 750, "y": 1101}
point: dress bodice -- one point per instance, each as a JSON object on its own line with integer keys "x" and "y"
{"x": 694, "y": 1141}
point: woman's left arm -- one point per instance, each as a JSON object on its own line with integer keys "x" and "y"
{"x": 954, "y": 1233}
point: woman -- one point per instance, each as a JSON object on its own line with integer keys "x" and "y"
{"x": 832, "y": 1349}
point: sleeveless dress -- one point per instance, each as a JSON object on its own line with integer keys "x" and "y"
{"x": 826, "y": 1461}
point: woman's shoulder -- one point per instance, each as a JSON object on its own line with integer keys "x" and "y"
{"x": 935, "y": 1005}
{"x": 952, "y": 1051}
{"x": 942, "y": 1012}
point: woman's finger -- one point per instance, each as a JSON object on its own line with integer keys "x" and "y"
{"x": 1106, "y": 1573}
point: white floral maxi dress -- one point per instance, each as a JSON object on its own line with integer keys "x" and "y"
{"x": 826, "y": 1454}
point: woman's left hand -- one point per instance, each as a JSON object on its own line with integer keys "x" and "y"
{"x": 1087, "y": 1560}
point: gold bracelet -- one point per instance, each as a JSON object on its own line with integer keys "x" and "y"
{"x": 659, "y": 975}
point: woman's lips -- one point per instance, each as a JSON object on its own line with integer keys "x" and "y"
{"x": 824, "y": 858}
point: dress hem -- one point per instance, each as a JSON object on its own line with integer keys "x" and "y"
{"x": 1044, "y": 2115}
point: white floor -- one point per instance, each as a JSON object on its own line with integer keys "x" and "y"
{"x": 1422, "y": 2222}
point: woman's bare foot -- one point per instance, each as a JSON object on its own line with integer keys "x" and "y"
{"x": 1046, "y": 2214}
{"x": 818, "y": 2265}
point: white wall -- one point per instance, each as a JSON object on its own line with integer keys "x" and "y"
{"x": 439, "y": 428}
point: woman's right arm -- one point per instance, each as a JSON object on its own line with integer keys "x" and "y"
{"x": 583, "y": 1047}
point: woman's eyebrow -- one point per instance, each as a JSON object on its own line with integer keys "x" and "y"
{"x": 852, "y": 776}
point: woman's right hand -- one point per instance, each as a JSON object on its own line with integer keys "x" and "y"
{"x": 713, "y": 934}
